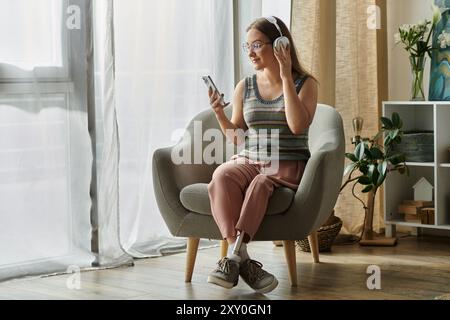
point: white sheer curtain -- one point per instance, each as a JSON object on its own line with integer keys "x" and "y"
{"x": 60, "y": 133}
{"x": 45, "y": 158}
{"x": 105, "y": 216}
{"x": 162, "y": 50}
{"x": 46, "y": 94}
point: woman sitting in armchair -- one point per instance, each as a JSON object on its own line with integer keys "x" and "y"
{"x": 281, "y": 97}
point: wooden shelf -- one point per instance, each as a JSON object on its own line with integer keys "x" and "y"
{"x": 417, "y": 225}
{"x": 421, "y": 116}
{"x": 420, "y": 164}
{"x": 417, "y": 103}
{"x": 410, "y": 224}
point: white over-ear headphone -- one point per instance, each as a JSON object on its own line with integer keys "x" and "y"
{"x": 281, "y": 40}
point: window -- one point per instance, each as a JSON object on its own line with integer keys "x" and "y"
{"x": 44, "y": 141}
{"x": 34, "y": 40}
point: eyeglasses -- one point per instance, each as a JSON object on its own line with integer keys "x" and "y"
{"x": 255, "y": 46}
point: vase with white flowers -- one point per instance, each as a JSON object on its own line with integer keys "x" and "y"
{"x": 416, "y": 41}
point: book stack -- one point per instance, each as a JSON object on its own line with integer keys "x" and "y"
{"x": 421, "y": 212}
{"x": 427, "y": 215}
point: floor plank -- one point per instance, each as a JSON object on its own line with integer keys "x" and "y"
{"x": 415, "y": 269}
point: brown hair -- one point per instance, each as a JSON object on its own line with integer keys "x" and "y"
{"x": 271, "y": 31}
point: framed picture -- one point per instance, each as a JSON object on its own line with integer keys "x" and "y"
{"x": 440, "y": 61}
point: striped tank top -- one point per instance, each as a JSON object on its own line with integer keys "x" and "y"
{"x": 269, "y": 137}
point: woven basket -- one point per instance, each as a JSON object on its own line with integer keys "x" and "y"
{"x": 326, "y": 236}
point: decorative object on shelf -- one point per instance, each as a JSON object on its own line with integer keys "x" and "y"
{"x": 440, "y": 58}
{"x": 417, "y": 146}
{"x": 423, "y": 190}
{"x": 417, "y": 65}
{"x": 326, "y": 235}
{"x": 372, "y": 162}
{"x": 416, "y": 41}
{"x": 416, "y": 211}
{"x": 428, "y": 216}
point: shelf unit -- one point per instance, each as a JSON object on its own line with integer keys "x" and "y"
{"x": 427, "y": 116}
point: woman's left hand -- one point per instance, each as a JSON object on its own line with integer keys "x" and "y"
{"x": 283, "y": 56}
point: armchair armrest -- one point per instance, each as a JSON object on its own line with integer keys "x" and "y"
{"x": 166, "y": 191}
{"x": 168, "y": 181}
{"x": 319, "y": 188}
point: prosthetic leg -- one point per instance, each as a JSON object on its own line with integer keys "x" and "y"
{"x": 238, "y": 244}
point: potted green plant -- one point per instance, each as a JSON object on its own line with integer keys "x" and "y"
{"x": 369, "y": 167}
{"x": 370, "y": 164}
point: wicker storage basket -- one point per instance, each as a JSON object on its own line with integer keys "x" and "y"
{"x": 326, "y": 236}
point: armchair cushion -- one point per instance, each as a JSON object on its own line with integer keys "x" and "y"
{"x": 195, "y": 198}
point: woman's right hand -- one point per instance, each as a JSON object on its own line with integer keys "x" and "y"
{"x": 215, "y": 100}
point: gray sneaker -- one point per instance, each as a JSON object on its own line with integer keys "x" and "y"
{"x": 256, "y": 277}
{"x": 226, "y": 274}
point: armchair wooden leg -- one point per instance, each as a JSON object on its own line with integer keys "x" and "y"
{"x": 192, "y": 247}
{"x": 314, "y": 245}
{"x": 289, "y": 252}
{"x": 223, "y": 248}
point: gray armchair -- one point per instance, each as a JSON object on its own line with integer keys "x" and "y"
{"x": 182, "y": 194}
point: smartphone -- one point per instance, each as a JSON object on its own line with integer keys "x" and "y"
{"x": 211, "y": 85}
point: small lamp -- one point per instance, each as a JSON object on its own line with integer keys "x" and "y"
{"x": 358, "y": 124}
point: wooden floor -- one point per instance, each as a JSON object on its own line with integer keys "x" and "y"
{"x": 415, "y": 269}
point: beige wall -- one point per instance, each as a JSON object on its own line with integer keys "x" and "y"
{"x": 403, "y": 12}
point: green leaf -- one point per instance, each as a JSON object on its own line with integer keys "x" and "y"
{"x": 382, "y": 168}
{"x": 364, "y": 168}
{"x": 393, "y": 134}
{"x": 367, "y": 152}
{"x": 376, "y": 153}
{"x": 396, "y": 119}
{"x": 387, "y": 123}
{"x": 371, "y": 171}
{"x": 359, "y": 151}
{"x": 367, "y": 189}
{"x": 365, "y": 180}
{"x": 351, "y": 157}
{"x": 387, "y": 141}
{"x": 397, "y": 159}
{"x": 381, "y": 179}
{"x": 350, "y": 168}
{"x": 374, "y": 174}
{"x": 362, "y": 151}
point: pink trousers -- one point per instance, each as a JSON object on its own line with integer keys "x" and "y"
{"x": 240, "y": 191}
